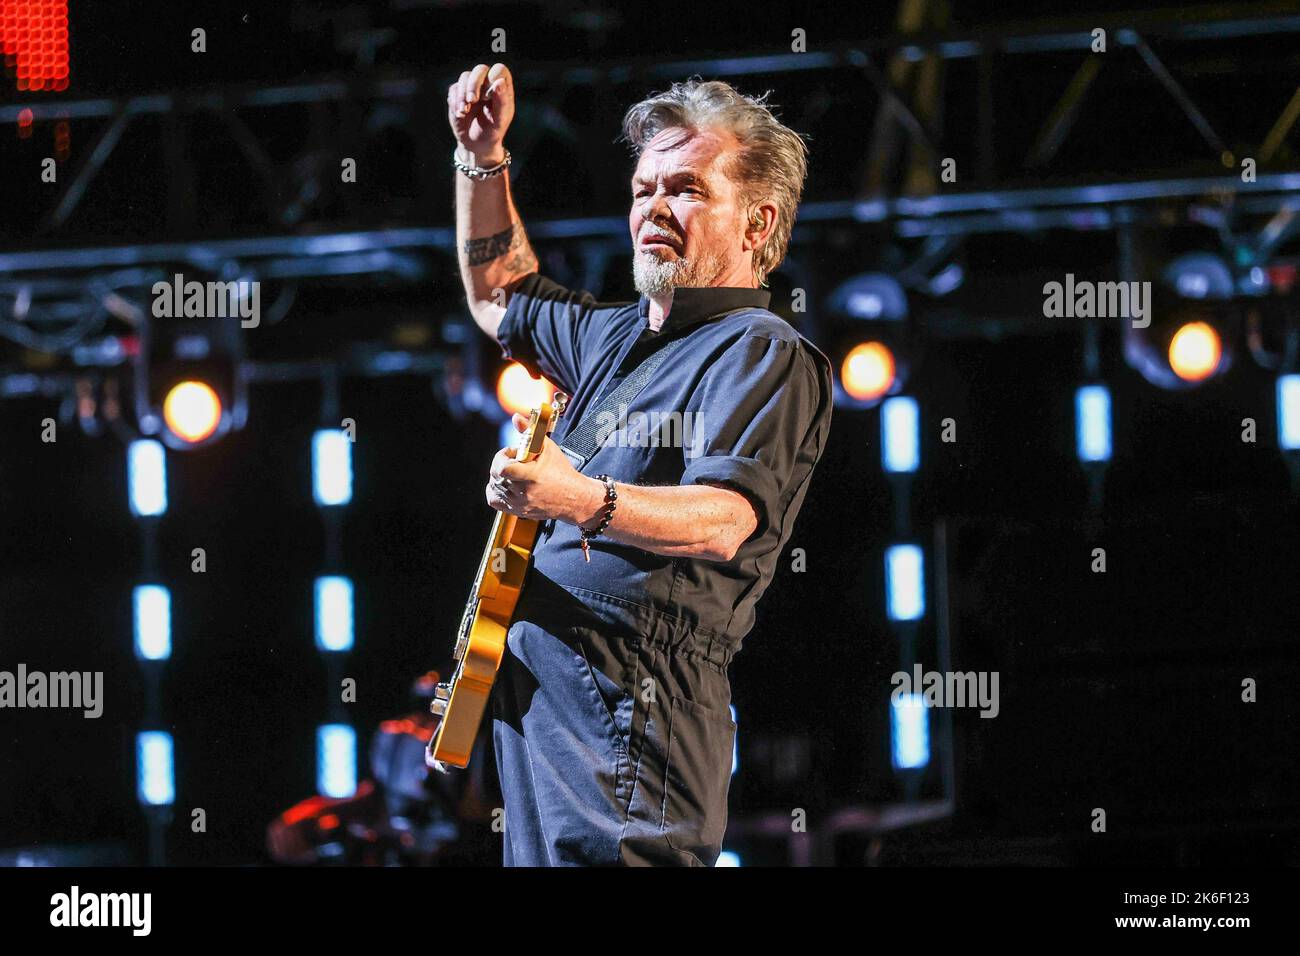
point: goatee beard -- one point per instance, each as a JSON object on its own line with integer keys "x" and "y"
{"x": 653, "y": 276}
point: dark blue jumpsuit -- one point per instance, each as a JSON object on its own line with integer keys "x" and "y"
{"x": 611, "y": 716}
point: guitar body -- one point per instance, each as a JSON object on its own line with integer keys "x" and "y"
{"x": 481, "y": 640}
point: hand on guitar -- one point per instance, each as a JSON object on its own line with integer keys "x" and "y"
{"x": 546, "y": 487}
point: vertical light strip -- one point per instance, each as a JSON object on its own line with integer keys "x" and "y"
{"x": 152, "y": 612}
{"x": 909, "y": 732}
{"x": 1092, "y": 423}
{"x": 155, "y": 775}
{"x": 334, "y": 613}
{"x": 336, "y": 760}
{"x": 147, "y": 477}
{"x": 900, "y": 434}
{"x": 1288, "y": 412}
{"x": 905, "y": 582}
{"x": 331, "y": 465}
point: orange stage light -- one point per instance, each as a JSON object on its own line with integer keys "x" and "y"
{"x": 518, "y": 392}
{"x": 192, "y": 411}
{"x": 868, "y": 371}
{"x": 1195, "y": 351}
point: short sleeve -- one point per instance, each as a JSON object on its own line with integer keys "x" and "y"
{"x": 760, "y": 414}
{"x": 546, "y": 329}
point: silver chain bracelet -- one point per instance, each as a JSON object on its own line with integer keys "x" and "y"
{"x": 480, "y": 172}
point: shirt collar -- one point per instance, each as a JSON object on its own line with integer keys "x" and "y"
{"x": 695, "y": 304}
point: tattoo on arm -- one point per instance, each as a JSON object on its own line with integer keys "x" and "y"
{"x": 482, "y": 251}
{"x": 522, "y": 261}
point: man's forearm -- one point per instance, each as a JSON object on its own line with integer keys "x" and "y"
{"x": 692, "y": 521}
{"x": 491, "y": 245}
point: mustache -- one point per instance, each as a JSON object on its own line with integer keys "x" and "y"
{"x": 660, "y": 233}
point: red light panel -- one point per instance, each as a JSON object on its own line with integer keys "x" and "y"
{"x": 34, "y": 42}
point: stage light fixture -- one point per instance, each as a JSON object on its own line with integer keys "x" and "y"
{"x": 34, "y": 41}
{"x": 334, "y": 613}
{"x": 1092, "y": 425}
{"x": 1195, "y": 351}
{"x": 873, "y": 296}
{"x": 868, "y": 372}
{"x": 152, "y": 615}
{"x": 192, "y": 411}
{"x": 146, "y": 465}
{"x": 336, "y": 760}
{"x": 1200, "y": 275}
{"x": 900, "y": 434}
{"x": 519, "y": 393}
{"x": 905, "y": 582}
{"x": 331, "y": 467}
{"x": 1288, "y": 412}
{"x": 189, "y": 391}
{"x": 909, "y": 732}
{"x": 155, "y": 772}
{"x": 1187, "y": 342}
{"x": 867, "y": 339}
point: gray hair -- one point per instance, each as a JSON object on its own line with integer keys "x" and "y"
{"x": 771, "y": 164}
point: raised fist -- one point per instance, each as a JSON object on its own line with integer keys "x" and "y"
{"x": 480, "y": 106}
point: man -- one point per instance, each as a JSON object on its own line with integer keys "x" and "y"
{"x": 612, "y": 721}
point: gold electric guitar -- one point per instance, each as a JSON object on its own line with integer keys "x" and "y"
{"x": 481, "y": 640}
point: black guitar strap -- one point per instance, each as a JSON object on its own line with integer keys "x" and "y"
{"x": 584, "y": 440}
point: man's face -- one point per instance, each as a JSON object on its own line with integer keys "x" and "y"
{"x": 686, "y": 224}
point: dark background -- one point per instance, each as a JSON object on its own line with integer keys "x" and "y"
{"x": 1119, "y": 690}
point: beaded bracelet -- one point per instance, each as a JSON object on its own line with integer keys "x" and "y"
{"x": 611, "y": 503}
